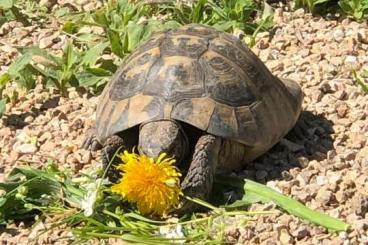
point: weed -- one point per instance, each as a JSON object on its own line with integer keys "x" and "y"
{"x": 355, "y": 8}
{"x": 75, "y": 68}
{"x": 125, "y": 25}
{"x": 359, "y": 79}
{"x": 89, "y": 208}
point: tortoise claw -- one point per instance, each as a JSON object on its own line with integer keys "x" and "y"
{"x": 91, "y": 142}
{"x": 113, "y": 144}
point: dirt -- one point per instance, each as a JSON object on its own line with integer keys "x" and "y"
{"x": 323, "y": 162}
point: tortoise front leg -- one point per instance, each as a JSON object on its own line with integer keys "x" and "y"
{"x": 91, "y": 142}
{"x": 199, "y": 179}
{"x": 113, "y": 144}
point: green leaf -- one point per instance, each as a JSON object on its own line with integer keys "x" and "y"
{"x": 2, "y": 106}
{"x": 360, "y": 82}
{"x": 70, "y": 57}
{"x": 224, "y": 25}
{"x": 92, "y": 55}
{"x": 108, "y": 65}
{"x": 268, "y": 10}
{"x": 27, "y": 77}
{"x": 4, "y": 79}
{"x": 115, "y": 42}
{"x": 248, "y": 198}
{"x": 358, "y": 14}
{"x": 135, "y": 33}
{"x": 6, "y": 4}
{"x": 294, "y": 207}
{"x": 100, "y": 17}
{"x": 62, "y": 12}
{"x": 345, "y": 6}
{"x": 197, "y": 13}
{"x": 87, "y": 79}
{"x": 365, "y": 74}
{"x": 70, "y": 27}
{"x": 9, "y": 186}
{"x": 97, "y": 71}
{"x": 320, "y": 2}
{"x": 288, "y": 204}
{"x": 19, "y": 64}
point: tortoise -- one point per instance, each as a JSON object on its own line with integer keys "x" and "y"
{"x": 200, "y": 95}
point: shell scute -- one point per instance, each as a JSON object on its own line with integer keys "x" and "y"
{"x": 180, "y": 76}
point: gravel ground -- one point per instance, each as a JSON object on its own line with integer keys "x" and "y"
{"x": 323, "y": 162}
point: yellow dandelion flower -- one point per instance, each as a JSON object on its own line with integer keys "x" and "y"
{"x": 152, "y": 184}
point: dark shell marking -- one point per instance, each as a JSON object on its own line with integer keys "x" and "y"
{"x": 203, "y": 77}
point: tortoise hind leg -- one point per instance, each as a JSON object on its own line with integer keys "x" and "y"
{"x": 199, "y": 179}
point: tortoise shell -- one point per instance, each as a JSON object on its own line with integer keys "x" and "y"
{"x": 203, "y": 77}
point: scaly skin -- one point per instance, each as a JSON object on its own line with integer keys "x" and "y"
{"x": 112, "y": 145}
{"x": 199, "y": 179}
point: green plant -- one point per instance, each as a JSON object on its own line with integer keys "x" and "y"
{"x": 125, "y": 25}
{"x": 88, "y": 207}
{"x": 313, "y": 6}
{"x": 11, "y": 8}
{"x": 359, "y": 79}
{"x": 4, "y": 79}
{"x": 22, "y": 11}
{"x": 355, "y": 8}
{"x": 224, "y": 15}
{"x": 75, "y": 68}
{"x": 358, "y": 9}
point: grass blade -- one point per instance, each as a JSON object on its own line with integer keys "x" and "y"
{"x": 296, "y": 208}
{"x": 287, "y": 203}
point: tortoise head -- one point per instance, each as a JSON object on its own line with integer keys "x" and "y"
{"x": 163, "y": 136}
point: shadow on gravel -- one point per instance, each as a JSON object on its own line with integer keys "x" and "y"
{"x": 18, "y": 121}
{"x": 309, "y": 140}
